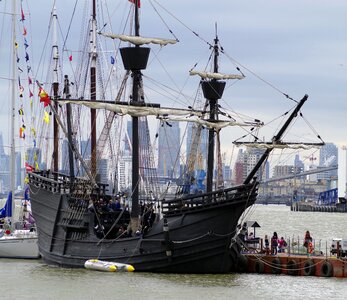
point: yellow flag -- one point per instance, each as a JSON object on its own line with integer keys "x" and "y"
{"x": 33, "y": 131}
{"x": 46, "y": 117}
{"x": 37, "y": 166}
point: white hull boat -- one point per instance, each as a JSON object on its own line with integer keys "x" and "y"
{"x": 19, "y": 244}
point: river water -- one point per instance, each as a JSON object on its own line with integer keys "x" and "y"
{"x": 32, "y": 279}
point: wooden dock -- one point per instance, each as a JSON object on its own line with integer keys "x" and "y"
{"x": 296, "y": 265}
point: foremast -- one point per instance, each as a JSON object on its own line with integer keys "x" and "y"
{"x": 213, "y": 90}
{"x": 55, "y": 87}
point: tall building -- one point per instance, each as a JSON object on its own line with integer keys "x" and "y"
{"x": 103, "y": 170}
{"x": 85, "y": 149}
{"x": 298, "y": 164}
{"x": 65, "y": 157}
{"x": 128, "y": 137}
{"x": 328, "y": 156}
{"x": 169, "y": 150}
{"x": 246, "y": 161}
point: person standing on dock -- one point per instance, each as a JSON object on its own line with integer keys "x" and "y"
{"x": 282, "y": 244}
{"x": 308, "y": 242}
{"x": 274, "y": 243}
{"x": 267, "y": 245}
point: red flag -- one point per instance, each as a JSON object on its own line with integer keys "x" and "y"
{"x": 28, "y": 167}
{"x": 24, "y": 31}
{"x": 70, "y": 58}
{"x": 23, "y": 17}
{"x": 44, "y": 97}
{"x": 138, "y": 3}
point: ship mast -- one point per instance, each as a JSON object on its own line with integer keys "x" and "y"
{"x": 275, "y": 139}
{"x": 135, "y": 59}
{"x": 93, "y": 55}
{"x": 213, "y": 90}
{"x": 55, "y": 87}
{"x": 135, "y": 128}
{"x": 13, "y": 111}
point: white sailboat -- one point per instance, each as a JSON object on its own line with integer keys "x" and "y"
{"x": 15, "y": 243}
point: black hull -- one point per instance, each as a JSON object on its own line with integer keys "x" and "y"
{"x": 198, "y": 241}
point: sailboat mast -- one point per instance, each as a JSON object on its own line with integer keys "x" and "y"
{"x": 93, "y": 55}
{"x": 13, "y": 109}
{"x": 55, "y": 87}
{"x": 135, "y": 128}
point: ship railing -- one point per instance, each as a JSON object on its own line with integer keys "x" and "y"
{"x": 61, "y": 183}
{"x": 191, "y": 202}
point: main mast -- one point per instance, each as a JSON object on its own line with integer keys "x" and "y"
{"x": 93, "y": 55}
{"x": 135, "y": 59}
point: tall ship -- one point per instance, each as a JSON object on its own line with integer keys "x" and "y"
{"x": 79, "y": 218}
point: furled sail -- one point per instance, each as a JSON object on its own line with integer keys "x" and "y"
{"x": 135, "y": 111}
{"x": 138, "y": 40}
{"x": 209, "y": 75}
{"x": 217, "y": 124}
{"x": 164, "y": 113}
{"x": 281, "y": 145}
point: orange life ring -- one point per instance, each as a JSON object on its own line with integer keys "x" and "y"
{"x": 310, "y": 247}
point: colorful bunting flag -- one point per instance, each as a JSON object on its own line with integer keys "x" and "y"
{"x": 23, "y": 17}
{"x": 44, "y": 97}
{"x": 28, "y": 167}
{"x": 46, "y": 117}
{"x": 21, "y": 132}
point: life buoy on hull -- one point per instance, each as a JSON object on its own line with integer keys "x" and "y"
{"x": 326, "y": 269}
{"x": 259, "y": 267}
{"x": 241, "y": 264}
{"x": 292, "y": 268}
{"x": 276, "y": 266}
{"x": 309, "y": 268}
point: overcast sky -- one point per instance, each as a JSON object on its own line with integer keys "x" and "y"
{"x": 297, "y": 47}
